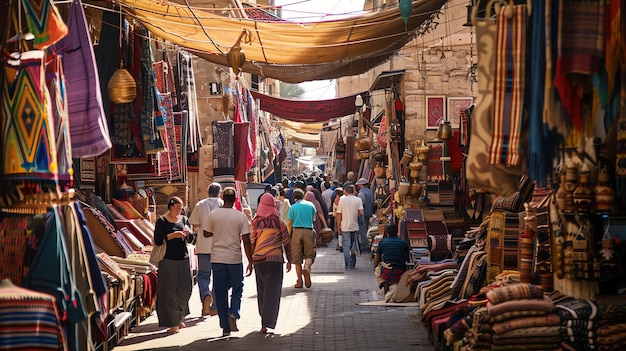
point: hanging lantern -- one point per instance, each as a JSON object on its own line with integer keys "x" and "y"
{"x": 122, "y": 88}
{"x": 236, "y": 58}
{"x": 406, "y": 9}
{"x": 444, "y": 130}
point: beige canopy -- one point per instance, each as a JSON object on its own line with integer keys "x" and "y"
{"x": 288, "y": 51}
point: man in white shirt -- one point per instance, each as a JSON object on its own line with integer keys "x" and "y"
{"x": 198, "y": 219}
{"x": 349, "y": 209}
{"x": 229, "y": 228}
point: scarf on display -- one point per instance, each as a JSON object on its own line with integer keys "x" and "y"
{"x": 240, "y": 140}
{"x": 187, "y": 99}
{"x": 55, "y": 82}
{"x": 223, "y": 151}
{"x": 580, "y": 49}
{"x": 509, "y": 81}
{"x": 149, "y": 98}
{"x": 87, "y": 120}
{"x": 28, "y": 140}
{"x": 44, "y": 22}
{"x": 242, "y": 114}
{"x": 168, "y": 159}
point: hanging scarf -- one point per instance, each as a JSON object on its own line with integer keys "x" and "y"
{"x": 169, "y": 158}
{"x": 55, "y": 81}
{"x": 509, "y": 81}
{"x": 87, "y": 119}
{"x": 28, "y": 140}
{"x": 44, "y": 22}
{"x": 620, "y": 156}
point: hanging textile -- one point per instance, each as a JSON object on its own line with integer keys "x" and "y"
{"x": 50, "y": 272}
{"x": 479, "y": 172}
{"x": 580, "y": 50}
{"x": 55, "y": 81}
{"x": 168, "y": 159}
{"x": 620, "y": 156}
{"x": 149, "y": 105}
{"x": 187, "y": 98}
{"x": 240, "y": 150}
{"x": 509, "y": 85}
{"x": 39, "y": 321}
{"x": 87, "y": 120}
{"x": 540, "y": 157}
{"x": 307, "y": 110}
{"x": 223, "y": 151}
{"x": 28, "y": 140}
{"x": 18, "y": 245}
{"x": 44, "y": 22}
{"x": 97, "y": 283}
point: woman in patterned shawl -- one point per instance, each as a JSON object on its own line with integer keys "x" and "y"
{"x": 270, "y": 242}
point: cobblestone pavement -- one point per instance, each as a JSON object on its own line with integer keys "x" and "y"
{"x": 325, "y": 317}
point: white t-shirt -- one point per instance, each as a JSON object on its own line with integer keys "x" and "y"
{"x": 227, "y": 226}
{"x": 349, "y": 206}
{"x": 199, "y": 216}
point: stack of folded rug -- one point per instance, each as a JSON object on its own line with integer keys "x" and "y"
{"x": 578, "y": 324}
{"x": 611, "y": 330}
{"x": 521, "y": 318}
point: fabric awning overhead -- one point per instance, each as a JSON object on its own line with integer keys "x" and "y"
{"x": 307, "y": 110}
{"x": 288, "y": 51}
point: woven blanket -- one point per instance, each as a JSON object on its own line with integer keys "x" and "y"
{"x": 495, "y": 241}
{"x": 515, "y": 292}
{"x": 515, "y": 314}
{"x": 509, "y": 81}
{"x": 520, "y": 305}
{"x": 583, "y": 309}
{"x": 551, "y": 320}
{"x": 531, "y": 331}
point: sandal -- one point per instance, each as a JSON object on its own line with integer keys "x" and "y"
{"x": 298, "y": 285}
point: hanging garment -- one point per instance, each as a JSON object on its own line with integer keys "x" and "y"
{"x": 509, "y": 85}
{"x": 44, "y": 22}
{"x": 187, "y": 98}
{"x": 55, "y": 81}
{"x": 88, "y": 125}
{"x": 169, "y": 159}
{"x": 28, "y": 140}
{"x": 480, "y": 173}
{"x": 149, "y": 107}
{"x": 50, "y": 272}
{"x": 223, "y": 150}
{"x": 240, "y": 147}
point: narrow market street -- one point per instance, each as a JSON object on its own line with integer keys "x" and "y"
{"x": 331, "y": 315}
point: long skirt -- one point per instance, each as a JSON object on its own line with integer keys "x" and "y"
{"x": 269, "y": 285}
{"x": 173, "y": 292}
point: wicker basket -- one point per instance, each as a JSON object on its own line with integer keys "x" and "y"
{"x": 326, "y": 235}
{"x": 122, "y": 87}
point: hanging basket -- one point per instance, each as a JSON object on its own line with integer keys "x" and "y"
{"x": 326, "y": 235}
{"x": 122, "y": 88}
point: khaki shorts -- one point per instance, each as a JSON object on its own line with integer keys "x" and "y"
{"x": 302, "y": 245}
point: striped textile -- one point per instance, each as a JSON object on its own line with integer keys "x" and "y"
{"x": 495, "y": 243}
{"x": 509, "y": 81}
{"x": 45, "y": 22}
{"x": 88, "y": 125}
{"x": 169, "y": 164}
{"x": 55, "y": 81}
{"x": 27, "y": 140}
{"x": 515, "y": 292}
{"x": 29, "y": 320}
{"x": 268, "y": 236}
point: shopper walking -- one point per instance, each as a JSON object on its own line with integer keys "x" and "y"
{"x": 270, "y": 242}
{"x": 367, "y": 197}
{"x": 349, "y": 209}
{"x": 174, "y": 285}
{"x": 300, "y": 222}
{"x": 199, "y": 218}
{"x": 229, "y": 228}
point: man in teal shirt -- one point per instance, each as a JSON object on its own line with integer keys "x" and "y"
{"x": 392, "y": 254}
{"x": 300, "y": 223}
